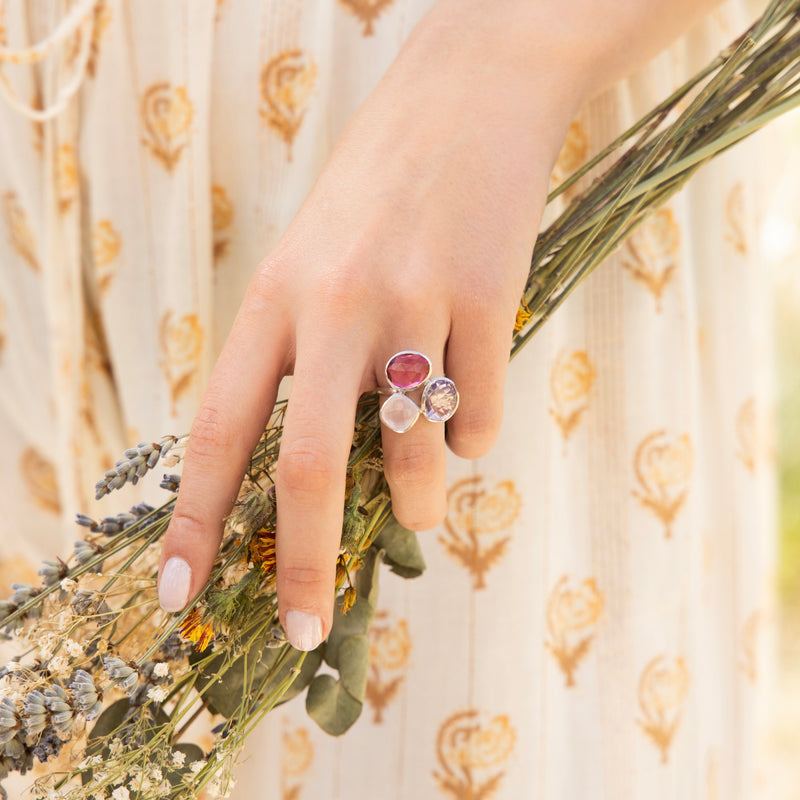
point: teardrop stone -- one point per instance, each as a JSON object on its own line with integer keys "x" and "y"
{"x": 399, "y": 413}
{"x": 407, "y": 370}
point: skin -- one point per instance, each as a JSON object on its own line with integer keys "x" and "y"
{"x": 417, "y": 235}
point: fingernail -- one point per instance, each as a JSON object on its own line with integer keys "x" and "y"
{"x": 173, "y": 588}
{"x": 304, "y": 631}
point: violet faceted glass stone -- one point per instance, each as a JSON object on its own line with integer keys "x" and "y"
{"x": 407, "y": 370}
{"x": 440, "y": 400}
{"x": 399, "y": 413}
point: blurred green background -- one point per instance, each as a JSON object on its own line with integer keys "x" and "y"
{"x": 781, "y": 243}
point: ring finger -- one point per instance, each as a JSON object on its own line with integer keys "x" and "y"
{"x": 415, "y": 460}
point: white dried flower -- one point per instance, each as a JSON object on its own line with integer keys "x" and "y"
{"x": 161, "y": 669}
{"x": 68, "y": 585}
{"x": 158, "y": 694}
{"x": 116, "y": 747}
{"x": 178, "y": 758}
{"x": 120, "y": 793}
{"x": 59, "y": 665}
{"x": 75, "y": 649}
{"x": 196, "y": 766}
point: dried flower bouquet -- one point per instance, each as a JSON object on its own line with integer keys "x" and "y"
{"x": 105, "y": 687}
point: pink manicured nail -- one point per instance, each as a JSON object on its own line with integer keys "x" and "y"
{"x": 173, "y": 588}
{"x": 304, "y": 631}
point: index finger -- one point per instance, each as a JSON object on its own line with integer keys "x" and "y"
{"x": 232, "y": 416}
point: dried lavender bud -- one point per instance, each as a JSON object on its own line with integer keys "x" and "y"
{"x": 53, "y": 571}
{"x": 22, "y": 593}
{"x": 84, "y": 552}
{"x": 49, "y": 746}
{"x": 90, "y": 604}
{"x": 61, "y": 712}
{"x": 252, "y": 512}
{"x": 86, "y": 522}
{"x": 34, "y": 715}
{"x": 141, "y": 510}
{"x": 126, "y": 676}
{"x": 276, "y": 637}
{"x": 171, "y": 483}
{"x": 10, "y": 722}
{"x": 88, "y": 698}
{"x": 136, "y": 463}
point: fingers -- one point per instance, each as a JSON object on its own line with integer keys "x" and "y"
{"x": 477, "y": 360}
{"x": 310, "y": 482}
{"x": 414, "y": 463}
{"x": 232, "y": 416}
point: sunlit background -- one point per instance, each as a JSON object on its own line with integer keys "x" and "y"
{"x": 780, "y": 234}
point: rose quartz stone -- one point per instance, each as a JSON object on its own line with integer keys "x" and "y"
{"x": 399, "y": 413}
{"x": 407, "y": 370}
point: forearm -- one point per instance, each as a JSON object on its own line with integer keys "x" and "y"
{"x": 599, "y": 41}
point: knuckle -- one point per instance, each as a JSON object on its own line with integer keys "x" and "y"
{"x": 422, "y": 519}
{"x": 212, "y": 431}
{"x": 304, "y": 467}
{"x": 412, "y": 466}
{"x": 474, "y": 432}
{"x": 304, "y": 577}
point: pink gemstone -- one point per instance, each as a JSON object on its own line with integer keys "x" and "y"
{"x": 440, "y": 400}
{"x": 407, "y": 369}
{"x": 399, "y": 413}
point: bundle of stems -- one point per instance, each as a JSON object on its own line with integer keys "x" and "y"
{"x": 106, "y": 686}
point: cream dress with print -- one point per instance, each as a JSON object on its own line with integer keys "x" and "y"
{"x": 592, "y": 621}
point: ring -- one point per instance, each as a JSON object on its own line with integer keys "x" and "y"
{"x": 406, "y": 371}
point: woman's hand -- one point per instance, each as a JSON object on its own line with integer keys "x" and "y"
{"x": 417, "y": 236}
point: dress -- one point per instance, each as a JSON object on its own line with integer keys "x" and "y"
{"x": 595, "y": 612}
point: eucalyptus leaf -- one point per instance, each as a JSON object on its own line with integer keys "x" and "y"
{"x": 357, "y": 620}
{"x": 331, "y": 706}
{"x": 309, "y": 669}
{"x": 354, "y": 665}
{"x": 230, "y": 693}
{"x": 193, "y": 753}
{"x": 402, "y": 552}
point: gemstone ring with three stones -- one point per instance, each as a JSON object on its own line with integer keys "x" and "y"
{"x": 406, "y": 371}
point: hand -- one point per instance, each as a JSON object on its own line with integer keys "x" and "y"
{"x": 417, "y": 235}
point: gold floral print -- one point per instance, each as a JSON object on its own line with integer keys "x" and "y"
{"x": 19, "y": 231}
{"x": 748, "y": 645}
{"x": 389, "y": 651}
{"x": 297, "y": 755}
{"x": 650, "y": 253}
{"x": 663, "y": 688}
{"x": 469, "y": 747}
{"x": 221, "y": 219}
{"x": 66, "y": 177}
{"x": 102, "y": 19}
{"x": 167, "y": 115}
{"x": 39, "y": 476}
{"x": 478, "y": 513}
{"x": 572, "y": 617}
{"x": 734, "y": 219}
{"x": 663, "y": 467}
{"x": 573, "y": 153}
{"x": 571, "y": 380}
{"x": 287, "y": 81}
{"x": 746, "y": 433}
{"x": 181, "y": 349}
{"x": 106, "y": 244}
{"x": 367, "y": 11}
